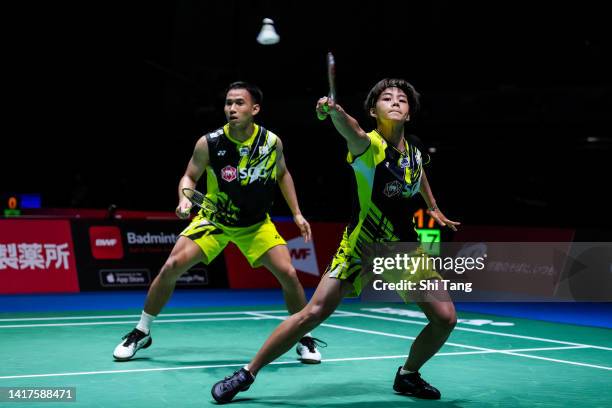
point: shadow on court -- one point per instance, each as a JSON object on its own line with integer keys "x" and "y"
{"x": 396, "y": 400}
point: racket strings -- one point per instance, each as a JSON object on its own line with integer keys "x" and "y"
{"x": 200, "y": 200}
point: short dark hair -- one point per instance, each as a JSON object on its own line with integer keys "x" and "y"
{"x": 411, "y": 93}
{"x": 252, "y": 89}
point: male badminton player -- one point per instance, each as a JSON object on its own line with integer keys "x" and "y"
{"x": 243, "y": 162}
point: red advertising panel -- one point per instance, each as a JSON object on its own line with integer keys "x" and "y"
{"x": 309, "y": 259}
{"x": 37, "y": 256}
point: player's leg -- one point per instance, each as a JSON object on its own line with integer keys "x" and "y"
{"x": 327, "y": 297}
{"x": 325, "y": 300}
{"x": 199, "y": 242}
{"x": 278, "y": 261}
{"x": 184, "y": 255}
{"x": 440, "y": 312}
{"x": 263, "y": 245}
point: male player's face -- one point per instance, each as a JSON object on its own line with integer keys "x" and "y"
{"x": 392, "y": 105}
{"x": 239, "y": 107}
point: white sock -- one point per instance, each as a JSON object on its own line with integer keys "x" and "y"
{"x": 145, "y": 322}
{"x": 246, "y": 367}
{"x": 404, "y": 372}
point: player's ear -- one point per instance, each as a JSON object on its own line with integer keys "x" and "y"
{"x": 256, "y": 109}
{"x": 373, "y": 112}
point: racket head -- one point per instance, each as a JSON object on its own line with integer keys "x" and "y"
{"x": 331, "y": 75}
{"x": 199, "y": 200}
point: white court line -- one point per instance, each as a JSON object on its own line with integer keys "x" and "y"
{"x": 213, "y": 319}
{"x": 337, "y": 313}
{"x": 28, "y": 319}
{"x": 256, "y": 316}
{"x": 511, "y": 350}
{"x": 455, "y": 344}
{"x": 518, "y": 336}
{"x": 327, "y": 360}
{"x": 379, "y": 333}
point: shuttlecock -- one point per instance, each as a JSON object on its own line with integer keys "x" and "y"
{"x": 268, "y": 34}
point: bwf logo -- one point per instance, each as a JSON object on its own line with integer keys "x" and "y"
{"x": 303, "y": 256}
{"x": 106, "y": 242}
{"x": 299, "y": 253}
{"x": 228, "y": 173}
{"x": 101, "y": 242}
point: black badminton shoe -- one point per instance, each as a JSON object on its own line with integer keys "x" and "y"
{"x": 412, "y": 384}
{"x": 225, "y": 390}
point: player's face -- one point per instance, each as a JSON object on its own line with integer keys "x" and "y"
{"x": 239, "y": 107}
{"x": 392, "y": 105}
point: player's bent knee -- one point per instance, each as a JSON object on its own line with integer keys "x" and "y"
{"x": 289, "y": 276}
{"x": 446, "y": 320}
{"x": 171, "y": 269}
{"x": 312, "y": 316}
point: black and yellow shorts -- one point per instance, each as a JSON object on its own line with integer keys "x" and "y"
{"x": 253, "y": 241}
{"x": 346, "y": 265}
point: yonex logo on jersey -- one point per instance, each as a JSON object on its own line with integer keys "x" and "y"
{"x": 393, "y": 188}
{"x": 228, "y": 173}
{"x": 221, "y": 153}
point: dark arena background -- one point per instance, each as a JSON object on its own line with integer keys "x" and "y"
{"x": 103, "y": 104}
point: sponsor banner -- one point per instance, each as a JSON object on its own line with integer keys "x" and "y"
{"x": 128, "y": 254}
{"x": 309, "y": 259}
{"x": 37, "y": 256}
{"x": 488, "y": 271}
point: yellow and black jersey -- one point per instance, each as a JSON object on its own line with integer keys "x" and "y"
{"x": 385, "y": 180}
{"x": 241, "y": 177}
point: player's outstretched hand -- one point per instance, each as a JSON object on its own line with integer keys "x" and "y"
{"x": 304, "y": 227}
{"x": 442, "y": 220}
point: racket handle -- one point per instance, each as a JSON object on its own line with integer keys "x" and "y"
{"x": 323, "y": 115}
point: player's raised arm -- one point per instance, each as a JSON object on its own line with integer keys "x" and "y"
{"x": 356, "y": 138}
{"x": 195, "y": 168}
